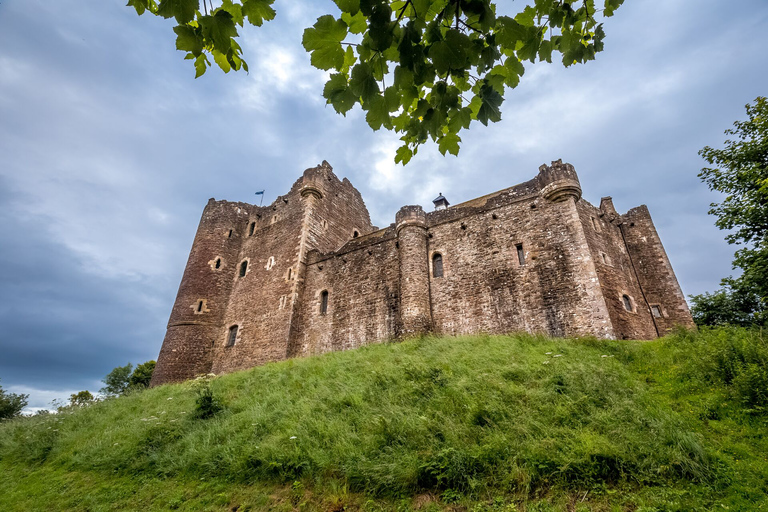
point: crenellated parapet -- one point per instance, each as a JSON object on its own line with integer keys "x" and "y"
{"x": 559, "y": 182}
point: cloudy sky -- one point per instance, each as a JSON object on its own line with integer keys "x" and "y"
{"x": 109, "y": 149}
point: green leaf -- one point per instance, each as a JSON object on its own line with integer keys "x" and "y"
{"x": 403, "y": 155}
{"x": 188, "y": 40}
{"x": 349, "y": 59}
{"x": 449, "y": 143}
{"x": 221, "y": 60}
{"x": 219, "y": 29}
{"x": 526, "y": 17}
{"x": 357, "y": 23}
{"x": 450, "y": 53}
{"x": 378, "y": 114}
{"x": 142, "y": 5}
{"x": 236, "y": 10}
{"x": 338, "y": 93}
{"x": 362, "y": 83}
{"x": 348, "y": 6}
{"x": 545, "y": 51}
{"x": 611, "y": 6}
{"x": 490, "y": 103}
{"x": 182, "y": 10}
{"x": 258, "y": 11}
{"x": 201, "y": 64}
{"x": 323, "y": 40}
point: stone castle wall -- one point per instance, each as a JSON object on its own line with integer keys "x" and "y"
{"x": 319, "y": 277}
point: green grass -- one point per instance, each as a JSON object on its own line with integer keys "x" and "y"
{"x": 480, "y": 423}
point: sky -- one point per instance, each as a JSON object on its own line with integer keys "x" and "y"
{"x": 110, "y": 149}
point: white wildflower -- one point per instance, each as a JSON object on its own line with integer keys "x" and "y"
{"x": 169, "y": 398}
{"x": 548, "y": 353}
{"x": 603, "y": 355}
{"x": 558, "y": 355}
{"x": 545, "y": 362}
{"x": 293, "y": 437}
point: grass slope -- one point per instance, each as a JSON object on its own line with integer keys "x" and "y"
{"x": 479, "y": 423}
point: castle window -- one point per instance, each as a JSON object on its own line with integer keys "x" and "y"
{"x": 243, "y": 268}
{"x": 290, "y": 273}
{"x": 251, "y": 229}
{"x": 230, "y": 234}
{"x": 355, "y": 234}
{"x": 627, "y": 302}
{"x": 656, "y": 310}
{"x": 270, "y": 263}
{"x": 218, "y": 262}
{"x": 200, "y": 306}
{"x": 232, "y": 337}
{"x": 324, "y": 302}
{"x": 437, "y": 265}
{"x": 520, "y": 254}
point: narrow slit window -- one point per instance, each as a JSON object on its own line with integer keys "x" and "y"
{"x": 251, "y": 229}
{"x": 230, "y": 234}
{"x": 243, "y": 268}
{"x": 232, "y": 337}
{"x": 218, "y": 262}
{"x": 656, "y": 310}
{"x": 324, "y": 302}
{"x": 290, "y": 273}
{"x": 520, "y": 254}
{"x": 627, "y": 302}
{"x": 199, "y": 306}
{"x": 437, "y": 265}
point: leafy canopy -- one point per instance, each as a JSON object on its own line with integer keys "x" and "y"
{"x": 121, "y": 379}
{"x": 11, "y": 404}
{"x": 740, "y": 171}
{"x": 425, "y": 69}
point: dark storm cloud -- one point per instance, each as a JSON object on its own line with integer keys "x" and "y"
{"x": 109, "y": 150}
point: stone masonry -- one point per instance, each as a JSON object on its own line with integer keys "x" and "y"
{"x": 309, "y": 274}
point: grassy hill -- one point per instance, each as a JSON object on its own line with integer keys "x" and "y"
{"x": 482, "y": 423}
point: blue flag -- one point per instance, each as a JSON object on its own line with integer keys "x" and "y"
{"x": 260, "y": 193}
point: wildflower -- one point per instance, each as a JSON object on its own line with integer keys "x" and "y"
{"x": 293, "y": 437}
{"x": 545, "y": 362}
{"x": 115, "y": 444}
{"x": 558, "y": 355}
{"x": 548, "y": 353}
{"x": 169, "y": 398}
{"x": 603, "y": 355}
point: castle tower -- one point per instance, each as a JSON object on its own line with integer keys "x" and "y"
{"x": 198, "y": 313}
{"x": 415, "y": 314}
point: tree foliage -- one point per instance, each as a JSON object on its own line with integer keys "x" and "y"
{"x": 11, "y": 404}
{"x": 425, "y": 69}
{"x": 116, "y": 382}
{"x": 740, "y": 171}
{"x": 141, "y": 375}
{"x": 81, "y": 398}
{"x": 125, "y": 378}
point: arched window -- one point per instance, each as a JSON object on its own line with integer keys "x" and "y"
{"x": 250, "y": 230}
{"x": 243, "y": 268}
{"x": 218, "y": 262}
{"x": 437, "y": 265}
{"x": 232, "y": 337}
{"x": 627, "y": 302}
{"x": 324, "y": 302}
{"x": 355, "y": 234}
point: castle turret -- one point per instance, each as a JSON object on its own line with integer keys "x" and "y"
{"x": 197, "y": 317}
{"x": 559, "y": 182}
{"x": 411, "y": 226}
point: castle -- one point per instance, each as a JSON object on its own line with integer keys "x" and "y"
{"x": 309, "y": 273}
